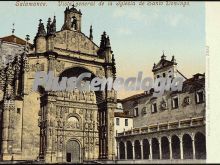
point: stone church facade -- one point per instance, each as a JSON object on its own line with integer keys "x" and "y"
{"x": 58, "y": 126}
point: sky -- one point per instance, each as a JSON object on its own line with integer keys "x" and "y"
{"x": 138, "y": 34}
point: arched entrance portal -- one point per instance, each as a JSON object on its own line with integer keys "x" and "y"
{"x": 146, "y": 149}
{"x": 122, "y": 150}
{"x": 165, "y": 148}
{"x": 73, "y": 151}
{"x": 137, "y": 149}
{"x": 129, "y": 150}
{"x": 200, "y": 146}
{"x": 155, "y": 149}
{"x": 187, "y": 147}
{"x": 175, "y": 141}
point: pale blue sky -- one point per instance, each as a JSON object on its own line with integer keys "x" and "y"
{"x": 138, "y": 34}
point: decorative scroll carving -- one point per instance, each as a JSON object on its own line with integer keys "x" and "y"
{"x": 59, "y": 65}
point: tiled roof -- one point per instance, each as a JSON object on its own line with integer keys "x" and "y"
{"x": 14, "y": 39}
{"x": 133, "y": 97}
{"x": 161, "y": 64}
{"x": 194, "y": 83}
{"x": 189, "y": 85}
{"x": 122, "y": 114}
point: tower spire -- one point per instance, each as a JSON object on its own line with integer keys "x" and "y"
{"x": 41, "y": 29}
{"x": 90, "y": 33}
{"x": 163, "y": 56}
{"x": 13, "y": 28}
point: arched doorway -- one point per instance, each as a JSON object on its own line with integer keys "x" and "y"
{"x": 155, "y": 149}
{"x": 175, "y": 143}
{"x": 121, "y": 150}
{"x": 129, "y": 150}
{"x": 95, "y": 111}
{"x": 165, "y": 148}
{"x": 74, "y": 23}
{"x": 73, "y": 151}
{"x": 137, "y": 149}
{"x": 146, "y": 149}
{"x": 187, "y": 147}
{"x": 200, "y": 146}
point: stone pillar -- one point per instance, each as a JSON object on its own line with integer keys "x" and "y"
{"x": 7, "y": 130}
{"x": 170, "y": 148}
{"x": 126, "y": 151}
{"x": 142, "y": 152}
{"x": 118, "y": 151}
{"x": 5, "y": 126}
{"x": 133, "y": 150}
{"x": 193, "y": 147}
{"x": 50, "y": 156}
{"x": 159, "y": 140}
{"x": 110, "y": 146}
{"x": 181, "y": 148}
{"x": 150, "y": 144}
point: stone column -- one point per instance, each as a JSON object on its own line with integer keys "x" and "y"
{"x": 133, "y": 150}
{"x": 170, "y": 148}
{"x": 5, "y": 126}
{"x": 126, "y": 151}
{"x": 142, "y": 154}
{"x": 159, "y": 140}
{"x": 150, "y": 144}
{"x": 118, "y": 151}
{"x": 193, "y": 147}
{"x": 181, "y": 148}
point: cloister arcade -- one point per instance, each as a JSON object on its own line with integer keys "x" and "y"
{"x": 191, "y": 145}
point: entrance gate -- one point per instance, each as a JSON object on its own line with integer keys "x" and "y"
{"x": 73, "y": 151}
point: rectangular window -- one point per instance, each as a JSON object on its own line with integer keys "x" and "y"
{"x": 200, "y": 97}
{"x": 175, "y": 102}
{"x": 136, "y": 112}
{"x": 154, "y": 108}
{"x": 144, "y": 111}
{"x": 117, "y": 121}
{"x": 126, "y": 122}
{"x": 18, "y": 110}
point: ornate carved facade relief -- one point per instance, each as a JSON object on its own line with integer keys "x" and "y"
{"x": 77, "y": 95}
{"x": 75, "y": 41}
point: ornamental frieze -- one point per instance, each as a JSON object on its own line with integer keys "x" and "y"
{"x": 77, "y": 96}
{"x": 36, "y": 67}
{"x": 77, "y": 105}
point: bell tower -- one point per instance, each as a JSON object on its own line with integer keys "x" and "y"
{"x": 72, "y": 19}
